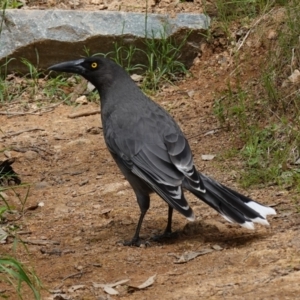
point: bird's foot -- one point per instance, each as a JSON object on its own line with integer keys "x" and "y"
{"x": 167, "y": 235}
{"x": 136, "y": 242}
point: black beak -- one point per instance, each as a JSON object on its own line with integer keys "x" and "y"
{"x": 73, "y": 66}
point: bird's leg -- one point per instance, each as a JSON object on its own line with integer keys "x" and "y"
{"x": 168, "y": 231}
{"x": 144, "y": 204}
{"x": 136, "y": 241}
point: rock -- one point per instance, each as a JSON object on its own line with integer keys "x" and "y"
{"x": 113, "y": 187}
{"x": 90, "y": 87}
{"x": 191, "y": 93}
{"x": 137, "y": 78}
{"x": 272, "y": 35}
{"x": 94, "y": 130}
{"x": 41, "y": 185}
{"x": 64, "y": 34}
{"x": 31, "y": 155}
{"x": 295, "y": 77}
{"x": 81, "y": 100}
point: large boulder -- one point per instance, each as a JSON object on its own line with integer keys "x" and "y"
{"x": 45, "y": 37}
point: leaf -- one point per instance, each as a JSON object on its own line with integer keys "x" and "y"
{"x": 142, "y": 286}
{"x": 109, "y": 287}
{"x": 147, "y": 283}
{"x": 3, "y": 236}
{"x": 109, "y": 290}
{"x": 208, "y": 156}
{"x": 187, "y": 256}
{"x": 102, "y": 285}
{"x": 217, "y": 247}
{"x": 74, "y": 288}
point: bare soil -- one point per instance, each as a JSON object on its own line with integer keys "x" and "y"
{"x": 74, "y": 239}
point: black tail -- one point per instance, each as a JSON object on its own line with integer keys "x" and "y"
{"x": 233, "y": 206}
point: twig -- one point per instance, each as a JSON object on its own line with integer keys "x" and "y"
{"x": 84, "y": 114}
{"x": 17, "y": 113}
{"x": 22, "y": 131}
{"x": 248, "y": 32}
{"x": 70, "y": 276}
{"x": 40, "y": 242}
{"x": 35, "y": 149}
{"x": 74, "y": 275}
{"x": 292, "y": 59}
{"x": 37, "y": 112}
{"x": 205, "y": 133}
{"x": 24, "y": 232}
{"x": 51, "y": 107}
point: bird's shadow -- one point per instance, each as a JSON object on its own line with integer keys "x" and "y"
{"x": 211, "y": 234}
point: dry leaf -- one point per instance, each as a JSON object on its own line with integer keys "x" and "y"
{"x": 3, "y": 236}
{"x": 147, "y": 283}
{"x": 208, "y": 156}
{"x": 109, "y": 290}
{"x": 210, "y": 132}
{"x": 103, "y": 285}
{"x": 187, "y": 256}
{"x": 144, "y": 285}
{"x": 217, "y": 247}
{"x": 74, "y": 288}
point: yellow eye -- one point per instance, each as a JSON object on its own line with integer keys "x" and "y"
{"x": 94, "y": 65}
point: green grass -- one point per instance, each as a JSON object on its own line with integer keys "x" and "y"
{"x": 241, "y": 11}
{"x": 162, "y": 56}
{"x": 12, "y": 271}
{"x": 263, "y": 115}
{"x": 163, "y": 65}
{"x": 266, "y": 111}
{"x": 10, "y": 4}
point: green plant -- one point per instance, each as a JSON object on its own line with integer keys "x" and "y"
{"x": 13, "y": 272}
{"x": 10, "y": 4}
{"x": 34, "y": 73}
{"x": 55, "y": 87}
{"x": 163, "y": 63}
{"x": 5, "y": 94}
{"x": 123, "y": 55}
{"x": 266, "y": 111}
{"x": 161, "y": 55}
{"x": 241, "y": 11}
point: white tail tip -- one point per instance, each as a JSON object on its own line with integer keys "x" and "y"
{"x": 261, "y": 209}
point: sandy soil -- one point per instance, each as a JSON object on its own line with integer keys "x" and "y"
{"x": 74, "y": 239}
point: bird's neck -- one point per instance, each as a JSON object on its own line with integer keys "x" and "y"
{"x": 122, "y": 95}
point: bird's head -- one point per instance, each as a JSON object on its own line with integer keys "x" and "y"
{"x": 99, "y": 71}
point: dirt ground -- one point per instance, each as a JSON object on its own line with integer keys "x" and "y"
{"x": 73, "y": 240}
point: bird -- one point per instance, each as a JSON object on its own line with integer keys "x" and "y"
{"x": 153, "y": 153}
